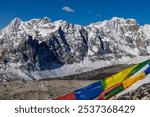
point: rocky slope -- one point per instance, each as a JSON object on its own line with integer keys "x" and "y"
{"x": 142, "y": 93}
{"x": 53, "y": 87}
{"x": 30, "y": 90}
{"x": 40, "y": 48}
{"x": 39, "y": 89}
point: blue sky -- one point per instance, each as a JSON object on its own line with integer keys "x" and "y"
{"x": 81, "y": 12}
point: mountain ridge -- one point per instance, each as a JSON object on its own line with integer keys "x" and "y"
{"x": 40, "y": 48}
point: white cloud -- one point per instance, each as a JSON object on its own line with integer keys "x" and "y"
{"x": 68, "y": 9}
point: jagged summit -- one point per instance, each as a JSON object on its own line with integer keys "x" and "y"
{"x": 13, "y": 25}
{"x": 46, "y": 48}
{"x": 15, "y": 21}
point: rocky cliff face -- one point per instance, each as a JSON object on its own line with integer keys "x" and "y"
{"x": 42, "y": 45}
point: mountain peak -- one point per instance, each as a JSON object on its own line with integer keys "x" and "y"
{"x": 13, "y": 25}
{"x": 123, "y": 20}
{"x": 117, "y": 18}
{"x": 45, "y": 20}
{"x": 16, "y": 21}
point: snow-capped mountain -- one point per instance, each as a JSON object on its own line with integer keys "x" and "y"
{"x": 40, "y": 48}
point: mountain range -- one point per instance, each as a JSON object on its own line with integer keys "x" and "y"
{"x": 40, "y": 48}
